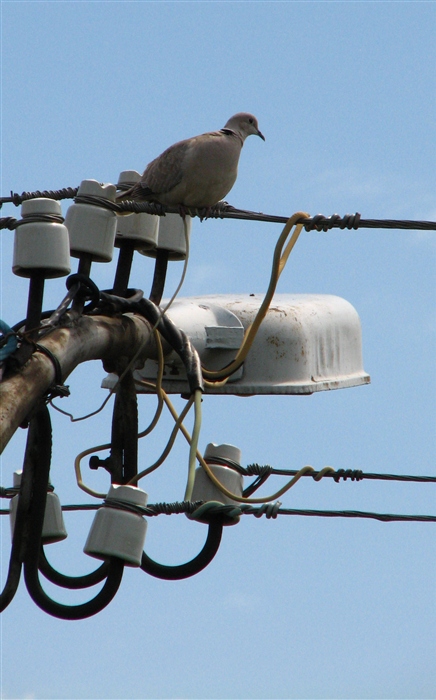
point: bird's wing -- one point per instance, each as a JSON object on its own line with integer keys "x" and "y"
{"x": 166, "y": 171}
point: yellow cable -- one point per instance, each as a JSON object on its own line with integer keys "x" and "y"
{"x": 211, "y": 475}
{"x": 220, "y": 376}
{"x": 100, "y": 448}
{"x": 265, "y": 499}
{"x": 77, "y": 461}
{"x": 168, "y": 446}
{"x": 194, "y": 453}
{"x": 147, "y": 431}
{"x": 279, "y": 262}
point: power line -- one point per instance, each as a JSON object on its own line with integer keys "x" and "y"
{"x": 352, "y": 474}
{"x": 273, "y": 512}
{"x": 222, "y": 210}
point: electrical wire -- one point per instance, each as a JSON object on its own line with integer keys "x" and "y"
{"x": 141, "y": 348}
{"x": 282, "y": 251}
{"x": 240, "y": 499}
{"x": 222, "y": 210}
{"x": 383, "y": 517}
{"x": 185, "y": 267}
{"x": 158, "y": 387}
{"x": 193, "y": 447}
{"x": 181, "y": 571}
{"x": 79, "y": 481}
{"x": 168, "y": 446}
{"x": 159, "y": 378}
{"x": 353, "y": 474}
{"x": 71, "y": 582}
{"x": 178, "y": 426}
{"x": 186, "y": 507}
{"x": 107, "y": 446}
{"x": 264, "y": 499}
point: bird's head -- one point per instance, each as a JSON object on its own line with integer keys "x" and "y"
{"x": 244, "y": 124}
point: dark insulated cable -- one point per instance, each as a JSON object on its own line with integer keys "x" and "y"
{"x": 203, "y": 559}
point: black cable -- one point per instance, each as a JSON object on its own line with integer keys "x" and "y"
{"x": 176, "y": 338}
{"x": 124, "y": 266}
{"x": 72, "y": 582}
{"x": 74, "y": 612}
{"x": 39, "y": 458}
{"x": 20, "y": 325}
{"x": 353, "y": 474}
{"x": 123, "y": 458}
{"x": 222, "y": 210}
{"x": 21, "y": 526}
{"x": 384, "y": 517}
{"x": 9, "y": 222}
{"x": 176, "y": 573}
{"x": 257, "y": 483}
{"x": 80, "y": 289}
{"x": 17, "y": 199}
{"x": 150, "y": 511}
{"x": 14, "y": 572}
{"x": 159, "y": 277}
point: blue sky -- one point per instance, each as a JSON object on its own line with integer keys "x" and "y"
{"x": 345, "y": 95}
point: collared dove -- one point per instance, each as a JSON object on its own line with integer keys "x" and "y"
{"x": 197, "y": 172}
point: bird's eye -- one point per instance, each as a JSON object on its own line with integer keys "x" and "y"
{"x": 250, "y": 121}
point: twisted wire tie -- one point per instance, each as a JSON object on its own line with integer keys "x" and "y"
{"x": 17, "y": 199}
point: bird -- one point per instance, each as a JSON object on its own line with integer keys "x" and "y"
{"x": 197, "y": 172}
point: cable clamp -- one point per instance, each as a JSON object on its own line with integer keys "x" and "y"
{"x": 212, "y": 510}
{"x": 58, "y": 388}
{"x": 119, "y": 504}
{"x": 38, "y": 218}
{"x": 324, "y": 223}
{"x": 269, "y": 510}
{"x": 353, "y": 474}
{"x": 8, "y": 222}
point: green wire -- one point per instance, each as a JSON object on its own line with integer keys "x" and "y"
{"x": 194, "y": 445}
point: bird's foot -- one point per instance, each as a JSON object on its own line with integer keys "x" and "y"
{"x": 184, "y": 211}
{"x": 214, "y": 212}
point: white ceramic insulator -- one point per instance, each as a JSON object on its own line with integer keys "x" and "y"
{"x": 142, "y": 229}
{"x": 171, "y": 237}
{"x": 41, "y": 246}
{"x": 204, "y": 489}
{"x": 92, "y": 228}
{"x": 116, "y": 532}
{"x": 53, "y": 529}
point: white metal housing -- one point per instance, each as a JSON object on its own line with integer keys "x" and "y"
{"x": 306, "y": 343}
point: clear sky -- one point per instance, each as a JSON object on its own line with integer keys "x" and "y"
{"x": 345, "y": 95}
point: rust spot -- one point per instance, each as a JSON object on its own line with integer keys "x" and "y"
{"x": 277, "y": 310}
{"x": 274, "y": 340}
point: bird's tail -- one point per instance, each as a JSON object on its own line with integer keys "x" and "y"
{"x": 127, "y": 194}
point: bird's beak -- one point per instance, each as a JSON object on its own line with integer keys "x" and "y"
{"x": 259, "y": 133}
